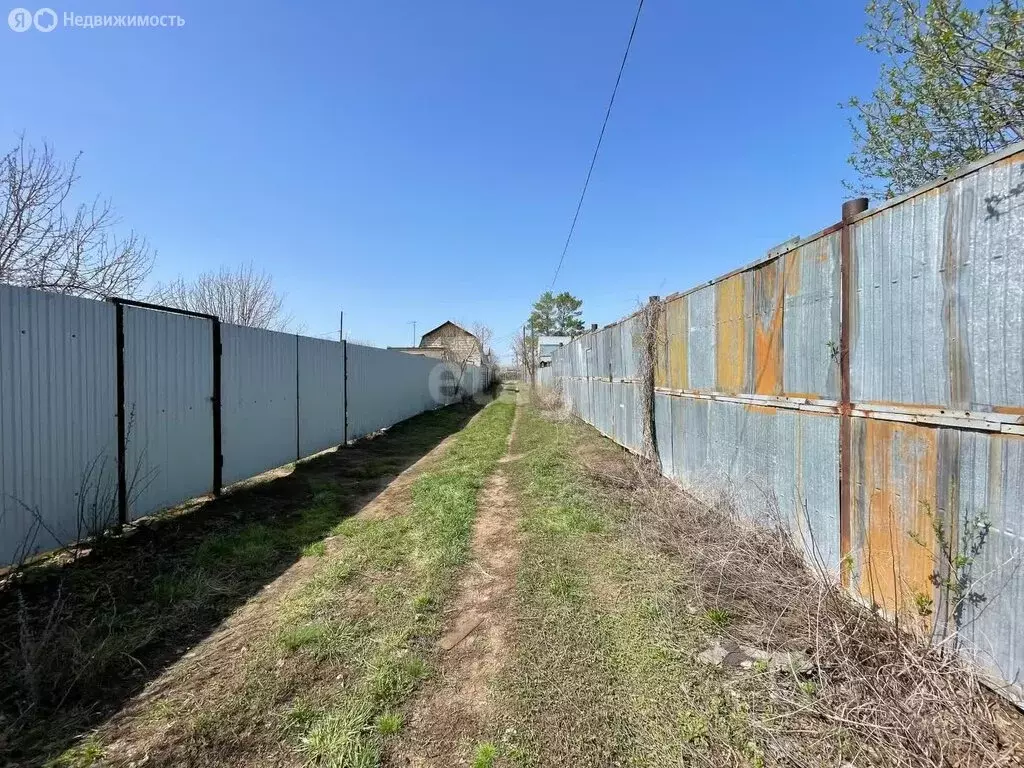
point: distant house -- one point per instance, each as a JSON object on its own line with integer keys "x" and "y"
{"x": 459, "y": 345}
{"x": 546, "y": 346}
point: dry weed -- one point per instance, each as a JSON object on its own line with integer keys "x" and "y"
{"x": 869, "y": 693}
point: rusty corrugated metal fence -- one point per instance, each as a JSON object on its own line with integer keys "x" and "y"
{"x": 865, "y": 386}
{"x": 110, "y": 411}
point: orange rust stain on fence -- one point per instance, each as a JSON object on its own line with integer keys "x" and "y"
{"x": 822, "y": 250}
{"x": 730, "y": 335}
{"x": 677, "y": 327}
{"x": 899, "y": 475}
{"x": 1012, "y": 410}
{"x": 661, "y": 349}
{"x": 768, "y": 329}
{"x": 765, "y": 409}
{"x": 791, "y": 272}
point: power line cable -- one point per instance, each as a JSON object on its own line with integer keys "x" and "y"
{"x": 600, "y": 138}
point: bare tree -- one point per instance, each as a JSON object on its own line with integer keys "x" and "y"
{"x": 524, "y": 354}
{"x": 484, "y": 335}
{"x": 48, "y": 243}
{"x": 244, "y": 296}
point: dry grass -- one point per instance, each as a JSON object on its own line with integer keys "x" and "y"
{"x": 869, "y": 694}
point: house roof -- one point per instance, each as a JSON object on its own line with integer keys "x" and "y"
{"x": 442, "y": 325}
{"x": 554, "y": 341}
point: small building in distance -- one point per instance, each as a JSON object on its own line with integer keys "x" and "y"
{"x": 458, "y": 345}
{"x": 546, "y": 346}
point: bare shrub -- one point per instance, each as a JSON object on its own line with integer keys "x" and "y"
{"x": 244, "y": 296}
{"x": 645, "y": 344}
{"x": 549, "y": 401}
{"x": 869, "y": 693}
{"x": 53, "y": 649}
{"x": 524, "y": 354}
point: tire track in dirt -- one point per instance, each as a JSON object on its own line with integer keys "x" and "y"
{"x": 449, "y": 716}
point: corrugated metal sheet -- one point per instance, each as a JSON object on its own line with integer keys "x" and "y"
{"x": 321, "y": 394}
{"x": 168, "y": 364}
{"x": 810, "y": 327}
{"x": 893, "y": 502}
{"x": 772, "y": 464}
{"x": 664, "y": 433}
{"x": 733, "y": 334}
{"x": 386, "y": 387}
{"x": 991, "y": 484}
{"x": 768, "y": 312}
{"x": 906, "y": 479}
{"x": 258, "y": 391}
{"x": 58, "y": 415}
{"x": 702, "y": 343}
{"x": 938, "y": 297}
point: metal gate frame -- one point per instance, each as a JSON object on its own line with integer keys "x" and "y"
{"x": 215, "y": 397}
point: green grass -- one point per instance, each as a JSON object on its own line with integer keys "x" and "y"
{"x": 718, "y": 617}
{"x": 316, "y": 549}
{"x": 603, "y": 669}
{"x": 484, "y": 755}
{"x": 85, "y": 755}
{"x": 389, "y": 723}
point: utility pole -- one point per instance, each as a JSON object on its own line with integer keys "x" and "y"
{"x": 341, "y": 325}
{"x": 413, "y": 322}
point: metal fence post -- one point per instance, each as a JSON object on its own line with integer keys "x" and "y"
{"x": 122, "y": 477}
{"x": 344, "y": 392}
{"x": 850, "y": 209}
{"x": 218, "y": 456}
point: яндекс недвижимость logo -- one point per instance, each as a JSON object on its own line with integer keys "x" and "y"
{"x": 46, "y": 20}
{"x": 22, "y": 19}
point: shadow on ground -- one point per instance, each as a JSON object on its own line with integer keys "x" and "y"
{"x": 79, "y": 638}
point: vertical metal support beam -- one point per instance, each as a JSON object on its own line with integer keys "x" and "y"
{"x": 344, "y": 392}
{"x": 298, "y": 419}
{"x": 216, "y": 400}
{"x": 122, "y": 427}
{"x": 850, "y": 209}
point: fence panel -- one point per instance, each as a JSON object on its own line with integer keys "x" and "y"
{"x": 386, "y": 387}
{"x": 702, "y": 343}
{"x": 938, "y": 299}
{"x": 810, "y": 327}
{"x": 259, "y": 401}
{"x": 58, "y": 418}
{"x": 321, "y": 394}
{"x": 168, "y": 389}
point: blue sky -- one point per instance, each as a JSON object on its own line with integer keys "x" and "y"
{"x": 421, "y": 160}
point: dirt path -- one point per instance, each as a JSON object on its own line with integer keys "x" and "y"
{"x": 453, "y": 713}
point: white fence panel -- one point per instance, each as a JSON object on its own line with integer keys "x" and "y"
{"x": 386, "y": 387}
{"x": 321, "y": 394}
{"x": 58, "y": 417}
{"x": 258, "y": 389}
{"x": 168, "y": 386}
